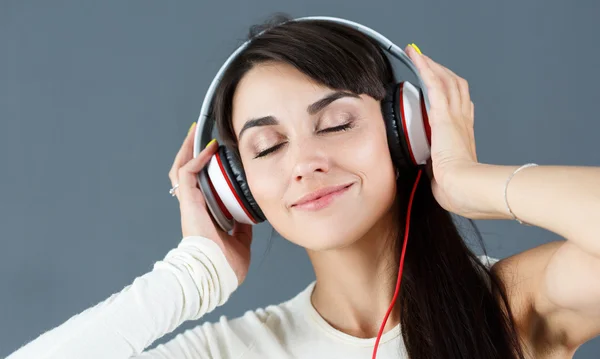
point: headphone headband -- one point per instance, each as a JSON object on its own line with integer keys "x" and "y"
{"x": 205, "y": 126}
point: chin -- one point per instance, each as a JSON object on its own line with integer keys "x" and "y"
{"x": 329, "y": 238}
{"x": 327, "y": 232}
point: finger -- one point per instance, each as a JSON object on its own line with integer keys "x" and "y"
{"x": 464, "y": 107}
{"x": 184, "y": 154}
{"x": 450, "y": 84}
{"x": 464, "y": 92}
{"x": 435, "y": 88}
{"x": 187, "y": 174}
{"x": 465, "y": 98}
{"x": 472, "y": 134}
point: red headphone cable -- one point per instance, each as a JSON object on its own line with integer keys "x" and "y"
{"x": 410, "y": 201}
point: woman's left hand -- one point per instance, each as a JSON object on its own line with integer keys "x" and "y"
{"x": 451, "y": 117}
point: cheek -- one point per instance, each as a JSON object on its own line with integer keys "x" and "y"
{"x": 370, "y": 159}
{"x": 266, "y": 187}
{"x": 367, "y": 153}
{"x": 268, "y": 190}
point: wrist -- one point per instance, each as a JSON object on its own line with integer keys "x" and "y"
{"x": 481, "y": 188}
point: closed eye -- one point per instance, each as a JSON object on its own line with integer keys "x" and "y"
{"x": 269, "y": 150}
{"x": 343, "y": 127}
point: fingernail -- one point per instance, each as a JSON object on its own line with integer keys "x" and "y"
{"x": 192, "y": 126}
{"x": 416, "y": 48}
{"x": 211, "y": 142}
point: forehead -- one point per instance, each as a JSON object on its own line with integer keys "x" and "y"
{"x": 273, "y": 89}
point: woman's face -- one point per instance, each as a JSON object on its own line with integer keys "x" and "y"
{"x": 307, "y": 144}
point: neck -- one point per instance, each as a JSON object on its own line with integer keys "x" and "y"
{"x": 355, "y": 284}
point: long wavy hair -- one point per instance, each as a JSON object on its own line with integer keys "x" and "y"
{"x": 448, "y": 309}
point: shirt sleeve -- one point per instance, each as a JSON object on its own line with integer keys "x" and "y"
{"x": 192, "y": 280}
{"x": 487, "y": 260}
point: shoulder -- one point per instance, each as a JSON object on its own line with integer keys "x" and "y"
{"x": 522, "y": 276}
{"x": 283, "y": 317}
{"x": 271, "y": 322}
{"x": 255, "y": 334}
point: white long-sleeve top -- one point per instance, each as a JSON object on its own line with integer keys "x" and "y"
{"x": 192, "y": 280}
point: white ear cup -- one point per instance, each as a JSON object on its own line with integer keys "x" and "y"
{"x": 225, "y": 191}
{"x": 414, "y": 123}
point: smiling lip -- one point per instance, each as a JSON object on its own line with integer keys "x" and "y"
{"x": 321, "y": 198}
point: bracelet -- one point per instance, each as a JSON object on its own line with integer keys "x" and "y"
{"x": 506, "y": 188}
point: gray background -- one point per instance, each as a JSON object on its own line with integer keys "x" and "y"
{"x": 96, "y": 97}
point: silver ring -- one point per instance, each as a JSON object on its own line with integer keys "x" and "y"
{"x": 172, "y": 190}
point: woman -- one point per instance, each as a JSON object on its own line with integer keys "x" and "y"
{"x": 542, "y": 303}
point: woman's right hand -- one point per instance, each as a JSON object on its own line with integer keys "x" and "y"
{"x": 195, "y": 217}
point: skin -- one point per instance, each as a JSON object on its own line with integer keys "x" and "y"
{"x": 553, "y": 288}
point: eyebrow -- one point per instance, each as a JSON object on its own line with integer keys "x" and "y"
{"x": 311, "y": 109}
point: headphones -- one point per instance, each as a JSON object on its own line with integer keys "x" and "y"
{"x": 405, "y": 107}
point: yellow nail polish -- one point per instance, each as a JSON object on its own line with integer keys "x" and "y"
{"x": 192, "y": 126}
{"x": 416, "y": 48}
{"x": 211, "y": 142}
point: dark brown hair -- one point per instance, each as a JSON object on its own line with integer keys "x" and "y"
{"x": 446, "y": 307}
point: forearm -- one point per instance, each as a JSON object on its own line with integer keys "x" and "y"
{"x": 192, "y": 280}
{"x": 561, "y": 199}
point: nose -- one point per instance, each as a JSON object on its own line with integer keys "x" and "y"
{"x": 309, "y": 160}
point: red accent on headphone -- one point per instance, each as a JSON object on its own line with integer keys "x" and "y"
{"x": 218, "y": 199}
{"x": 402, "y": 118}
{"x": 231, "y": 188}
{"x": 425, "y": 119}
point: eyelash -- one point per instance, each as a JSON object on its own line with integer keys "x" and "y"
{"x": 344, "y": 127}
